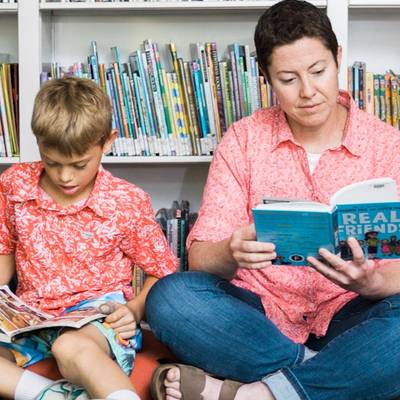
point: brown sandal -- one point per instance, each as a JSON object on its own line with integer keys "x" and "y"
{"x": 192, "y": 380}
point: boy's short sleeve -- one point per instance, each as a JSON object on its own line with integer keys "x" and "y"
{"x": 145, "y": 243}
{"x": 7, "y": 239}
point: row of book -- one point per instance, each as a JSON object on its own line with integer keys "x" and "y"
{"x": 8, "y": 1}
{"x": 9, "y": 110}
{"x": 378, "y": 94}
{"x": 182, "y": 112}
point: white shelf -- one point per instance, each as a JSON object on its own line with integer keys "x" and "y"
{"x": 35, "y": 32}
{"x": 178, "y": 5}
{"x": 8, "y": 8}
{"x": 9, "y": 160}
{"x": 157, "y": 160}
{"x": 374, "y": 3}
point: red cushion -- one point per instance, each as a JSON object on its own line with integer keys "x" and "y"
{"x": 145, "y": 363}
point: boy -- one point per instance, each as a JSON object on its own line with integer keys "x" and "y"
{"x": 71, "y": 231}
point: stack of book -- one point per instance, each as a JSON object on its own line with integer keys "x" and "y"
{"x": 178, "y": 113}
{"x": 176, "y": 223}
{"x": 378, "y": 94}
{"x": 9, "y": 110}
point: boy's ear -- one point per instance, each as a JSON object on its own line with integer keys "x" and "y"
{"x": 110, "y": 141}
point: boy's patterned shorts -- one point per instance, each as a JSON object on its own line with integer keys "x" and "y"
{"x": 30, "y": 349}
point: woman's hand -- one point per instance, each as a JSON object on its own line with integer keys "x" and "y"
{"x": 247, "y": 252}
{"x": 357, "y": 275}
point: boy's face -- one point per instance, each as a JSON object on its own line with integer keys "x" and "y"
{"x": 70, "y": 179}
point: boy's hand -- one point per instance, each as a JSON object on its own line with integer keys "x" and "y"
{"x": 247, "y": 252}
{"x": 121, "y": 319}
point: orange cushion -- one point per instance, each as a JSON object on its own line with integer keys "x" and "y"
{"x": 145, "y": 363}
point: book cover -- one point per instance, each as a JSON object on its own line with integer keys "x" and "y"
{"x": 299, "y": 228}
{"x": 16, "y": 317}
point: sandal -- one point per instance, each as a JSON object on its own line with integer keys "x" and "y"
{"x": 192, "y": 381}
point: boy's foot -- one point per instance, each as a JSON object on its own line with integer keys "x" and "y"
{"x": 63, "y": 390}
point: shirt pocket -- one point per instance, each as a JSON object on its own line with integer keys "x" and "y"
{"x": 96, "y": 246}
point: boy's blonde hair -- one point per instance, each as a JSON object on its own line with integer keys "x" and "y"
{"x": 71, "y": 115}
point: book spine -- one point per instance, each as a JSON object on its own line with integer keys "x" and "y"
{"x": 369, "y": 93}
{"x": 215, "y": 118}
{"x": 158, "y": 102}
{"x": 377, "y": 108}
{"x": 183, "y": 106}
{"x": 4, "y": 114}
{"x": 218, "y": 86}
{"x": 192, "y": 109}
{"x": 388, "y": 99}
{"x": 382, "y": 101}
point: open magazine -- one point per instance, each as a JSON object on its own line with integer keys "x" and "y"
{"x": 16, "y": 317}
{"x": 367, "y": 210}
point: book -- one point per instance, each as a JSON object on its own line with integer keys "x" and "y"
{"x": 367, "y": 210}
{"x": 17, "y": 318}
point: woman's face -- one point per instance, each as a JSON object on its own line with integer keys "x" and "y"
{"x": 304, "y": 77}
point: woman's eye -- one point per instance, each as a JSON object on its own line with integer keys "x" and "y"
{"x": 287, "y": 81}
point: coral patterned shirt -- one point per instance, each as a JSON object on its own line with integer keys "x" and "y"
{"x": 65, "y": 255}
{"x": 259, "y": 157}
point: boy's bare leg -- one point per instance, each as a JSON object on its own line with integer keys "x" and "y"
{"x": 83, "y": 357}
{"x": 9, "y": 370}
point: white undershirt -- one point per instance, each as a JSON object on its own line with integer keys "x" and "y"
{"x": 313, "y": 159}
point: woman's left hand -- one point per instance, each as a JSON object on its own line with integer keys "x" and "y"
{"x": 357, "y": 275}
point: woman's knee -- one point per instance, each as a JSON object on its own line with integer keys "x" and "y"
{"x": 162, "y": 296}
{"x": 167, "y": 296}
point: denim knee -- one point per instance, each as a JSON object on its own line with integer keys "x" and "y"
{"x": 158, "y": 300}
{"x": 166, "y": 296}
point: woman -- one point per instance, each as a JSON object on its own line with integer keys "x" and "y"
{"x": 328, "y": 330}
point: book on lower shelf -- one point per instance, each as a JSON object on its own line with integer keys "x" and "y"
{"x": 367, "y": 210}
{"x": 17, "y": 318}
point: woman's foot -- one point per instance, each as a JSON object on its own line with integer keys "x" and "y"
{"x": 212, "y": 388}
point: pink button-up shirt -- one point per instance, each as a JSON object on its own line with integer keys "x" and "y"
{"x": 259, "y": 157}
{"x": 68, "y": 254}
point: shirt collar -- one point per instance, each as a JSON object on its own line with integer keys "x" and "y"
{"x": 352, "y": 139}
{"x": 97, "y": 200}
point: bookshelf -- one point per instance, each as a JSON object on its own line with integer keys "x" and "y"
{"x": 35, "y": 33}
{"x": 8, "y": 46}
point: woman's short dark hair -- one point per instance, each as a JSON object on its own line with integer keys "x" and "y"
{"x": 288, "y": 21}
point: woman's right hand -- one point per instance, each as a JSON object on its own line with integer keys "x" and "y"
{"x": 247, "y": 252}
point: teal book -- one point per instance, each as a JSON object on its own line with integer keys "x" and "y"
{"x": 367, "y": 210}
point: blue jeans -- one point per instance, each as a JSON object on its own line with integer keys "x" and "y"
{"x": 210, "y": 323}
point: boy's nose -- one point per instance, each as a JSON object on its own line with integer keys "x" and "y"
{"x": 65, "y": 176}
